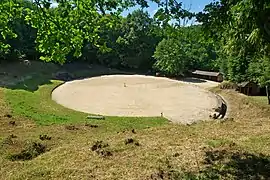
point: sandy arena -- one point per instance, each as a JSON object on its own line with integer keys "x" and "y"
{"x": 137, "y": 95}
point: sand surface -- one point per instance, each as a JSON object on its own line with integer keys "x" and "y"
{"x": 137, "y": 95}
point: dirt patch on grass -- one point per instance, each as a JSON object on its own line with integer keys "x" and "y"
{"x": 71, "y": 127}
{"x": 101, "y": 149}
{"x": 32, "y": 150}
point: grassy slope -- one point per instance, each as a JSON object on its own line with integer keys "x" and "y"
{"x": 260, "y": 99}
{"x": 39, "y": 107}
{"x": 237, "y": 149}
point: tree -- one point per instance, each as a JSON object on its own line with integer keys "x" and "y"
{"x": 63, "y": 31}
{"x": 137, "y": 40}
{"x": 259, "y": 71}
{"x": 202, "y": 52}
{"x": 171, "y": 57}
{"x": 172, "y": 10}
{"x": 242, "y": 27}
{"x": 185, "y": 49}
{"x": 9, "y": 11}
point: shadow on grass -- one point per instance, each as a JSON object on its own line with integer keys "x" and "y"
{"x": 30, "y": 85}
{"x": 223, "y": 164}
{"x": 17, "y": 76}
{"x": 237, "y": 165}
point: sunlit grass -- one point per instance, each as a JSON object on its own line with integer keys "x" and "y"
{"x": 234, "y": 149}
{"x": 39, "y": 106}
{"x": 260, "y": 99}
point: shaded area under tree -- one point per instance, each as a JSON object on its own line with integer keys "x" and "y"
{"x": 227, "y": 164}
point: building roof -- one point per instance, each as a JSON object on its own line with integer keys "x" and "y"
{"x": 206, "y": 73}
{"x": 244, "y": 84}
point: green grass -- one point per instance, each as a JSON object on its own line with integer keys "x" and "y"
{"x": 260, "y": 99}
{"x": 38, "y": 106}
{"x": 235, "y": 149}
{"x": 215, "y": 143}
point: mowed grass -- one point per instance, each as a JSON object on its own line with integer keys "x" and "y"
{"x": 260, "y": 100}
{"x": 39, "y": 107}
{"x": 133, "y": 148}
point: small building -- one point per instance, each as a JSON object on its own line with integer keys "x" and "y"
{"x": 213, "y": 76}
{"x": 249, "y": 88}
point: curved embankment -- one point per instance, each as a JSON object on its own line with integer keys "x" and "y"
{"x": 136, "y": 95}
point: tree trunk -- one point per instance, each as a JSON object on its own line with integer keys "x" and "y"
{"x": 268, "y": 94}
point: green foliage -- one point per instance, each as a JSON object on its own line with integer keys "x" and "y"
{"x": 63, "y": 32}
{"x": 259, "y": 70}
{"x": 39, "y": 107}
{"x": 171, "y": 57}
{"x": 137, "y": 42}
{"x": 94, "y": 31}
{"x": 237, "y": 69}
{"x": 172, "y": 10}
{"x": 185, "y": 49}
{"x": 9, "y": 11}
{"x": 202, "y": 51}
{"x": 131, "y": 41}
{"x": 241, "y": 28}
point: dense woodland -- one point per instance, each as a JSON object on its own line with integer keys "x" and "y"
{"x": 230, "y": 36}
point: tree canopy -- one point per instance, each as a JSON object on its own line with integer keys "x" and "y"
{"x": 242, "y": 30}
{"x": 231, "y": 36}
{"x": 62, "y": 31}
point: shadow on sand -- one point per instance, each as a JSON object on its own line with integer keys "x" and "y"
{"x": 191, "y": 80}
{"x": 19, "y": 76}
